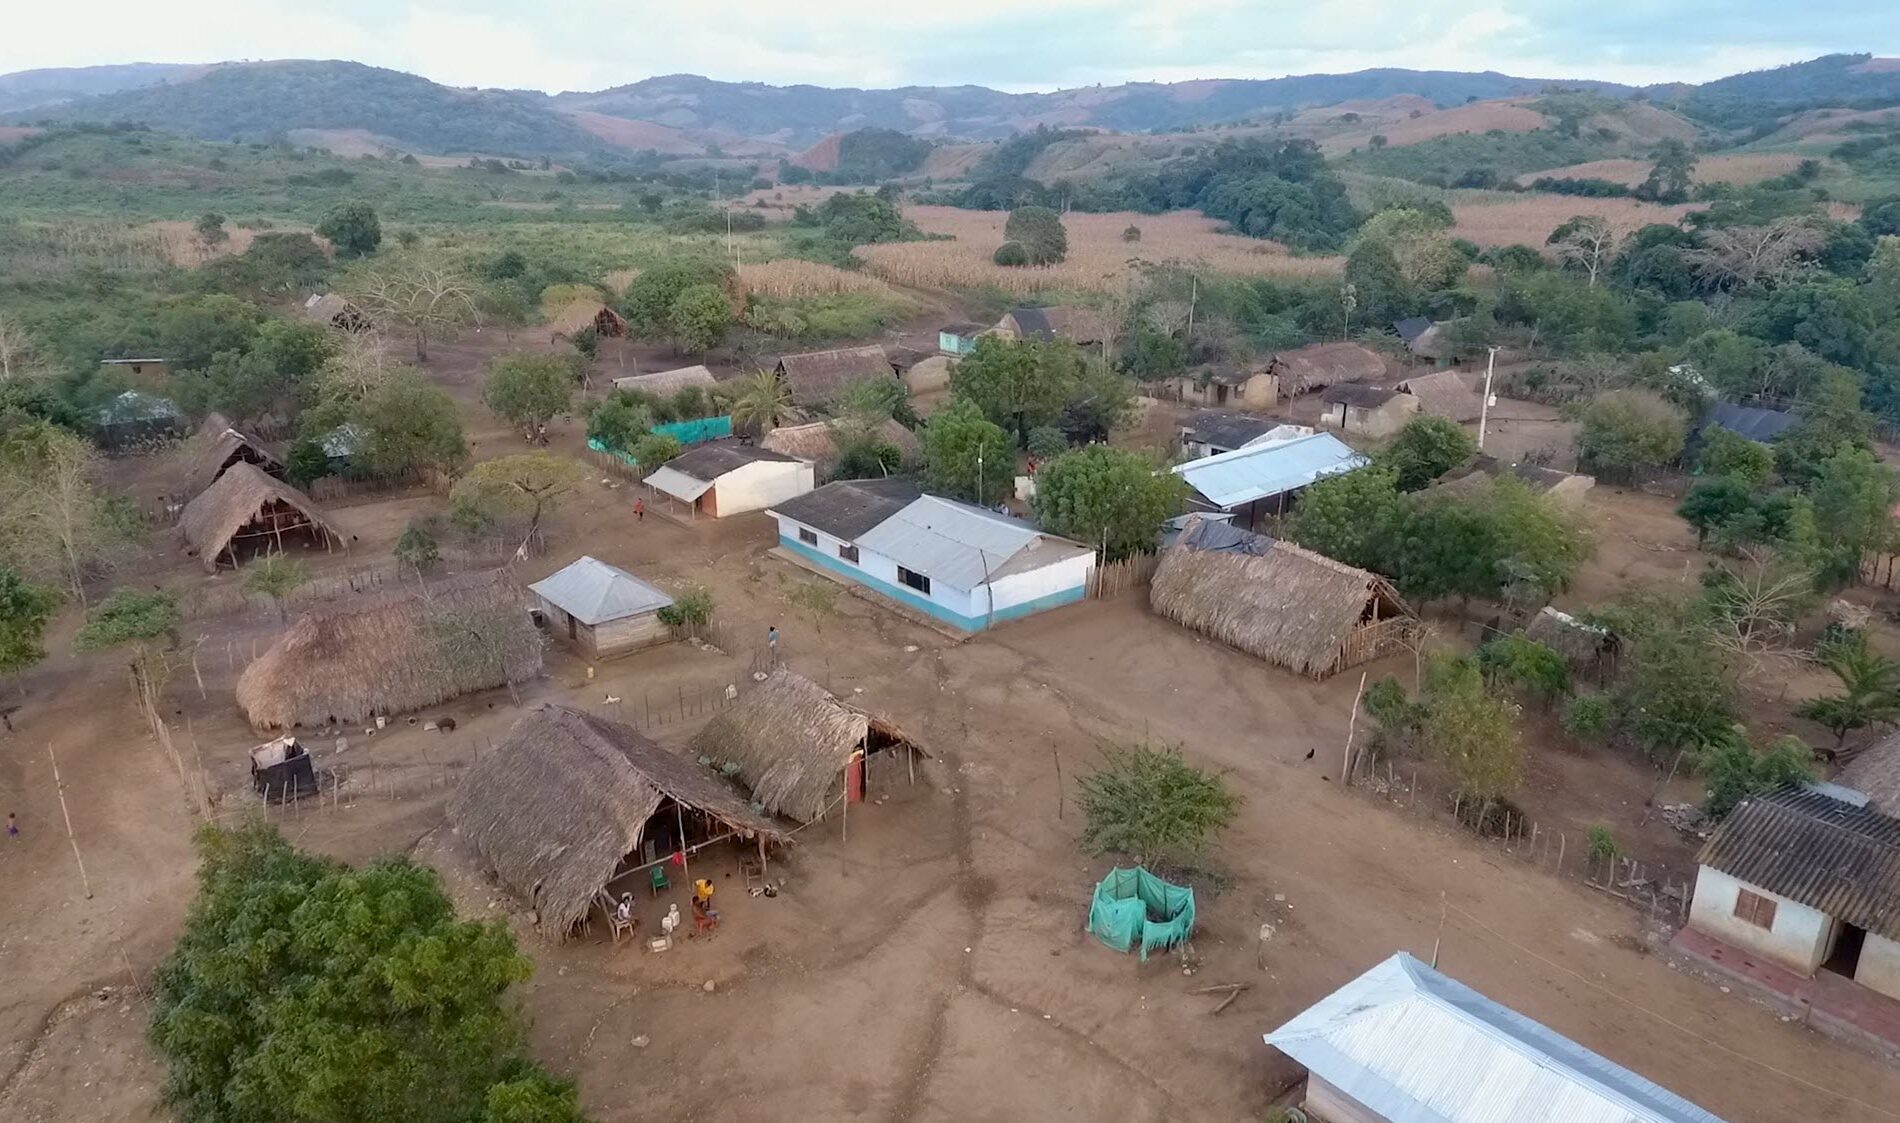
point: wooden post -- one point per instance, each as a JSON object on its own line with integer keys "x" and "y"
{"x": 679, "y": 821}
{"x": 59, "y": 787}
{"x": 1438, "y": 939}
{"x": 1352, "y": 723}
{"x": 1560, "y": 851}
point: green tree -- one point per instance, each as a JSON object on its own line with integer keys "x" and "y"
{"x": 1011, "y": 255}
{"x": 1870, "y": 688}
{"x": 529, "y": 390}
{"x": 966, "y": 455}
{"x": 1420, "y": 242}
{"x": 1728, "y": 453}
{"x": 1674, "y": 692}
{"x": 57, "y": 522}
{"x": 1040, "y": 232}
{"x": 147, "y": 623}
{"x": 210, "y": 229}
{"x": 691, "y": 610}
{"x": 353, "y": 229}
{"x": 24, "y": 609}
{"x": 1733, "y": 769}
{"x": 1110, "y": 498}
{"x": 1148, "y": 802}
{"x": 1472, "y": 731}
{"x": 409, "y": 425}
{"x": 1046, "y": 442}
{"x": 699, "y": 317}
{"x": 1019, "y": 384}
{"x": 305, "y": 989}
{"x": 1625, "y": 431}
{"x": 1377, "y": 286}
{"x": 1670, "y": 177}
{"x": 759, "y": 400}
{"x": 1854, "y": 496}
{"x": 1532, "y": 667}
{"x": 532, "y": 483}
{"x": 276, "y": 577}
{"x": 655, "y": 449}
{"x": 619, "y": 420}
{"x": 1427, "y": 448}
{"x": 1715, "y": 502}
{"x": 650, "y": 297}
{"x": 417, "y": 549}
{"x": 1355, "y": 517}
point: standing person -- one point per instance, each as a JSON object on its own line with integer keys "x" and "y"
{"x": 771, "y": 641}
{"x": 639, "y": 509}
{"x": 13, "y": 825}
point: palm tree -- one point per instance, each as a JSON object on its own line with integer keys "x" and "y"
{"x": 1871, "y": 689}
{"x": 759, "y": 401}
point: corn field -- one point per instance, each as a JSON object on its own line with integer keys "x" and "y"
{"x": 792, "y": 279}
{"x": 45, "y": 250}
{"x": 1098, "y": 261}
{"x": 1500, "y": 219}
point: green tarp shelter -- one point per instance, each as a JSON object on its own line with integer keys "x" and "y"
{"x": 1134, "y": 907}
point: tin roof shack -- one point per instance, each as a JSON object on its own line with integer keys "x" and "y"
{"x": 1808, "y": 877}
{"x": 1259, "y": 481}
{"x": 245, "y": 513}
{"x": 566, "y": 803}
{"x": 959, "y": 338}
{"x": 603, "y": 610}
{"x": 801, "y": 752}
{"x": 816, "y": 378}
{"x": 1443, "y": 394}
{"x": 1403, "y": 1043}
{"x": 282, "y": 770}
{"x": 392, "y": 653}
{"x": 135, "y": 419}
{"x": 1222, "y": 385}
{"x": 1211, "y": 432}
{"x": 1276, "y": 601}
{"x": 1367, "y": 411}
{"x": 1319, "y": 365}
{"x": 1426, "y": 339}
{"x": 957, "y": 564}
{"x": 1589, "y": 650}
{"x": 722, "y": 478}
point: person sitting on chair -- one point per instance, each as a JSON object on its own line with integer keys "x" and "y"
{"x": 702, "y": 892}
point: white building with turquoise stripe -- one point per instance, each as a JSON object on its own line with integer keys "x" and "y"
{"x": 961, "y": 565}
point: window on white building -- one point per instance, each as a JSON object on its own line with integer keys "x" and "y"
{"x": 849, "y": 553}
{"x": 1753, "y": 908}
{"x": 916, "y": 581}
{"x": 808, "y": 537}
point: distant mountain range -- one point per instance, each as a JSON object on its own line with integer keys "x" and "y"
{"x": 690, "y": 115}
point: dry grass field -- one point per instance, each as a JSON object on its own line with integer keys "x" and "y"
{"x": 1495, "y": 219}
{"x": 1099, "y": 261}
{"x": 1739, "y": 169}
{"x": 1478, "y": 117}
{"x": 792, "y": 279}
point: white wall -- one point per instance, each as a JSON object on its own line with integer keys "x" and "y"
{"x": 880, "y": 568}
{"x": 1045, "y": 581}
{"x": 760, "y": 484}
{"x": 1800, "y": 939}
{"x": 1879, "y": 968}
{"x": 1327, "y": 1104}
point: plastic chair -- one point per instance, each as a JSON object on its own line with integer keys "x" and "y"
{"x": 658, "y": 881}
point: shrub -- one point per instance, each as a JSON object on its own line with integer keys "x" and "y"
{"x": 1148, "y": 802}
{"x": 1132, "y": 234}
{"x": 1046, "y": 441}
{"x": 1587, "y": 716}
{"x": 1600, "y": 845}
{"x": 691, "y": 610}
{"x": 654, "y": 449}
{"x": 1011, "y": 254}
{"x": 417, "y": 548}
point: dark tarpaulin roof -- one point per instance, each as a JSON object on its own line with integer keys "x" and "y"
{"x": 848, "y": 509}
{"x": 1805, "y": 845}
{"x": 715, "y": 458}
{"x": 964, "y": 328}
{"x": 1411, "y": 327}
{"x": 1748, "y": 421}
{"x": 1361, "y": 397}
{"x": 1226, "y": 428}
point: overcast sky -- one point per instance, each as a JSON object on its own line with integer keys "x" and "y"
{"x": 1010, "y": 44}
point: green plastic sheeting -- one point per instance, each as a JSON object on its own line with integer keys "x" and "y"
{"x": 1134, "y": 907}
{"x": 692, "y": 432}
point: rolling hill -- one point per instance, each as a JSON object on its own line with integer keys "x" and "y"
{"x": 39, "y": 89}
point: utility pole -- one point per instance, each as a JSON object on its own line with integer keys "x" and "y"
{"x": 1484, "y": 406}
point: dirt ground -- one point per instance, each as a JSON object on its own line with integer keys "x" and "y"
{"x": 926, "y": 959}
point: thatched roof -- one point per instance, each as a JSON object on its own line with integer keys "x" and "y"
{"x": 817, "y": 442}
{"x": 1067, "y": 322}
{"x": 1582, "y": 645}
{"x": 565, "y": 796}
{"x": 1875, "y": 773}
{"x": 817, "y": 377}
{"x": 791, "y": 741}
{"x": 332, "y": 310}
{"x": 1443, "y": 393}
{"x": 668, "y": 381}
{"x": 1271, "y": 599}
{"x": 238, "y": 496}
{"x": 1326, "y": 364}
{"x": 583, "y": 314}
{"x": 218, "y": 446}
{"x": 393, "y": 653}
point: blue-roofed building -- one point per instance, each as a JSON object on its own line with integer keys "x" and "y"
{"x": 960, "y": 565}
{"x": 1260, "y": 480}
{"x": 1403, "y": 1043}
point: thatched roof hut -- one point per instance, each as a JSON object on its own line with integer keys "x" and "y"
{"x": 1586, "y": 648}
{"x": 1443, "y": 394}
{"x": 556, "y": 807}
{"x": 817, "y": 377}
{"x": 583, "y": 314}
{"x": 665, "y": 382}
{"x": 246, "y": 504}
{"x": 791, "y": 742}
{"x": 818, "y": 443}
{"x": 393, "y": 653}
{"x": 218, "y": 446}
{"x": 331, "y": 310}
{"x": 1326, "y": 364}
{"x": 1271, "y": 599}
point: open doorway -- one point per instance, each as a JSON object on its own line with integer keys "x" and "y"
{"x": 1845, "y": 958}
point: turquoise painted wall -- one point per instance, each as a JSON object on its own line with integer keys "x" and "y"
{"x": 911, "y": 599}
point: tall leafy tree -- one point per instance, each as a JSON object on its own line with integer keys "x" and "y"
{"x": 410, "y": 425}
{"x": 1110, "y": 498}
{"x": 1040, "y": 232}
{"x": 531, "y": 483}
{"x": 1019, "y": 384}
{"x": 699, "y": 317}
{"x": 1355, "y": 518}
{"x": 352, "y": 228}
{"x": 24, "y": 609}
{"x": 966, "y": 455}
{"x": 529, "y": 390}
{"x": 1624, "y": 431}
{"x": 1427, "y": 448}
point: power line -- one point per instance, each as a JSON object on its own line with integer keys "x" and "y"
{"x": 1678, "y": 1027}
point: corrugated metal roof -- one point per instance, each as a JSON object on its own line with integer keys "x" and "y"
{"x": 956, "y": 544}
{"x": 847, "y": 508}
{"x": 1246, "y": 474}
{"x": 1802, "y": 844}
{"x": 1226, "y": 428}
{"x": 1749, "y": 421}
{"x": 679, "y": 485}
{"x": 1417, "y": 1047}
{"x": 593, "y": 592}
